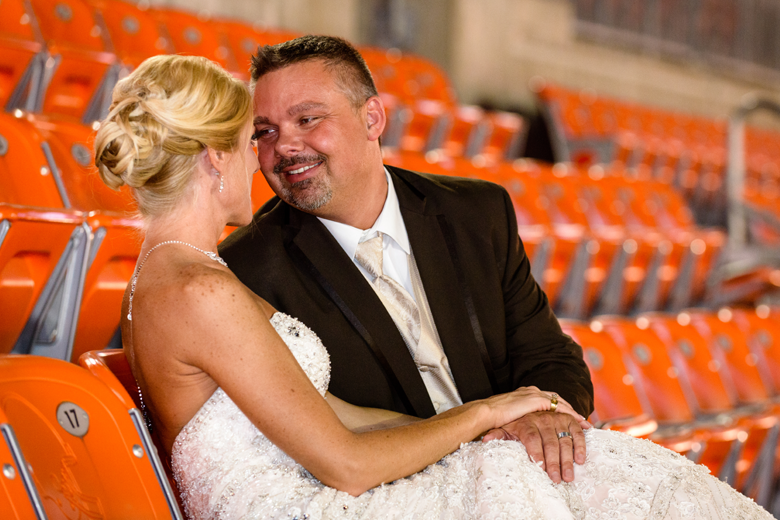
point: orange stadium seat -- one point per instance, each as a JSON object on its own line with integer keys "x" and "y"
{"x": 21, "y": 58}
{"x": 761, "y": 327}
{"x": 112, "y": 368}
{"x": 115, "y": 233}
{"x": 19, "y": 497}
{"x": 243, "y": 39}
{"x": 670, "y": 398}
{"x": 506, "y": 136}
{"x": 728, "y": 344}
{"x": 468, "y": 132}
{"x": 133, "y": 32}
{"x": 41, "y": 254}
{"x": 193, "y": 35}
{"x": 618, "y": 402}
{"x": 710, "y": 383}
{"x": 91, "y": 455}
{"x": 79, "y": 72}
{"x": 25, "y": 174}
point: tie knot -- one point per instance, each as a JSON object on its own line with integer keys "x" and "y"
{"x": 369, "y": 255}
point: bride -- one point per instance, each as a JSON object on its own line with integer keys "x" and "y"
{"x": 237, "y": 392}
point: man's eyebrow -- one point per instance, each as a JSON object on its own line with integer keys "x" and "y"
{"x": 303, "y": 107}
{"x": 261, "y": 120}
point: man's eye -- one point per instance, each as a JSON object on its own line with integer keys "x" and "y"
{"x": 260, "y": 134}
{"x": 307, "y": 120}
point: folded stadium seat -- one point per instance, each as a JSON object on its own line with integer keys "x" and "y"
{"x": 551, "y": 245}
{"x": 43, "y": 244}
{"x": 670, "y": 397}
{"x": 19, "y": 497}
{"x": 761, "y": 327}
{"x": 243, "y": 39}
{"x": 595, "y": 254}
{"x": 21, "y": 58}
{"x": 194, "y": 35}
{"x": 423, "y": 79}
{"x": 752, "y": 379}
{"x": 506, "y": 136}
{"x": 425, "y": 125}
{"x": 111, "y": 367}
{"x": 618, "y": 402}
{"x": 468, "y": 132}
{"x": 115, "y": 238}
{"x": 89, "y": 449}
{"x": 575, "y": 136}
{"x": 383, "y": 64}
{"x": 80, "y": 72}
{"x": 716, "y": 399}
{"x": 132, "y": 32}
{"x": 729, "y": 345}
{"x": 630, "y": 202}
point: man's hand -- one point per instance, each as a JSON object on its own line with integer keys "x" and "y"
{"x": 538, "y": 432}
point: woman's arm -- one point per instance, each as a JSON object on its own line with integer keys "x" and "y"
{"x": 219, "y": 327}
{"x": 363, "y": 419}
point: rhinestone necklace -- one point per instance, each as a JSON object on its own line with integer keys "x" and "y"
{"x": 213, "y": 256}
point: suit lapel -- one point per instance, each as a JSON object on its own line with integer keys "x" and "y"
{"x": 344, "y": 283}
{"x": 446, "y": 298}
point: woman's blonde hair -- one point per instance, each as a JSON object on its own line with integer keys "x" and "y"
{"x": 162, "y": 116}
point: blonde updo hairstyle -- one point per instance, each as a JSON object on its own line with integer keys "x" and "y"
{"x": 162, "y": 116}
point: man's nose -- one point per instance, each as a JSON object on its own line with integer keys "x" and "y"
{"x": 288, "y": 143}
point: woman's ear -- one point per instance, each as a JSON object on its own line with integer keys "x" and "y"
{"x": 217, "y": 159}
{"x": 375, "y": 118}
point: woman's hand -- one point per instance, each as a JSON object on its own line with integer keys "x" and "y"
{"x": 511, "y": 406}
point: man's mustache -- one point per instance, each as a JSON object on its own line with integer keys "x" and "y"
{"x": 286, "y": 162}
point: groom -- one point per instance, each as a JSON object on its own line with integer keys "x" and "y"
{"x": 418, "y": 285}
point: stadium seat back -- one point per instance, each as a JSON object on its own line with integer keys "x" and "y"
{"x": 19, "y": 45}
{"x": 729, "y": 345}
{"x": 41, "y": 254}
{"x": 87, "y": 454}
{"x": 112, "y": 368}
{"x": 761, "y": 326}
{"x": 133, "y": 31}
{"x": 79, "y": 72}
{"x": 707, "y": 378}
{"x": 617, "y": 400}
{"x": 26, "y": 176}
{"x": 19, "y": 497}
{"x": 655, "y": 371}
{"x": 193, "y": 36}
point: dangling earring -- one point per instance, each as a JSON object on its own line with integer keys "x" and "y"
{"x": 221, "y": 184}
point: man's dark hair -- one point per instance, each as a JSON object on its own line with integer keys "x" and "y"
{"x": 339, "y": 56}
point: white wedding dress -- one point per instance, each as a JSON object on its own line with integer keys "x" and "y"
{"x": 227, "y": 469}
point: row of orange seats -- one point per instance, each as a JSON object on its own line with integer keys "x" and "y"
{"x": 75, "y": 445}
{"x": 702, "y": 383}
{"x": 68, "y": 243}
{"x": 601, "y": 242}
{"x": 70, "y": 64}
{"x": 687, "y": 151}
{"x": 424, "y": 114}
{"x": 64, "y": 56}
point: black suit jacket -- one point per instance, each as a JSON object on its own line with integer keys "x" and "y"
{"x": 495, "y": 323}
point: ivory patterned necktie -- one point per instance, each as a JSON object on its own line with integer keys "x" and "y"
{"x": 397, "y": 300}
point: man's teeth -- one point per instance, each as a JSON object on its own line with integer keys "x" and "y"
{"x": 301, "y": 170}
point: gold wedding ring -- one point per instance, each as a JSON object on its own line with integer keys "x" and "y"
{"x": 553, "y": 402}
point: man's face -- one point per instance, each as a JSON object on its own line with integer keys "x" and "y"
{"x": 311, "y": 143}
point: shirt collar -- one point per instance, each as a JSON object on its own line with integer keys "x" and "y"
{"x": 390, "y": 222}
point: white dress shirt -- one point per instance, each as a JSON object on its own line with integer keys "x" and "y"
{"x": 397, "y": 261}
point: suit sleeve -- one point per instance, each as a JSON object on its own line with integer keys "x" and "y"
{"x": 540, "y": 353}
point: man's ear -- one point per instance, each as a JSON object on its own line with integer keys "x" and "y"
{"x": 217, "y": 159}
{"x": 376, "y": 119}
